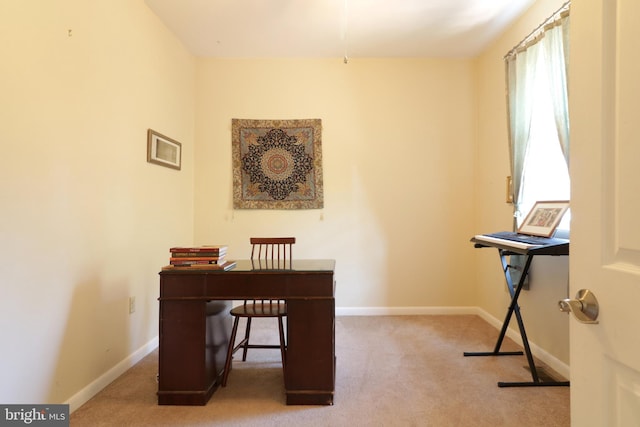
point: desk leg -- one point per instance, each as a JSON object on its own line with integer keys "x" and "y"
{"x": 193, "y": 338}
{"x": 310, "y": 367}
{"x": 515, "y": 309}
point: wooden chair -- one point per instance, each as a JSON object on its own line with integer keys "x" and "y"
{"x": 269, "y": 253}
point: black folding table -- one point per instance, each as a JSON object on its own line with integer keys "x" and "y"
{"x": 550, "y": 246}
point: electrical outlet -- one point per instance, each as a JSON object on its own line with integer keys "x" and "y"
{"x": 132, "y": 305}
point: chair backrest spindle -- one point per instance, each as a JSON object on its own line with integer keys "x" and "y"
{"x": 274, "y": 251}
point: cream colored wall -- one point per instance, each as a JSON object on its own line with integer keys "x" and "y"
{"x": 86, "y": 221}
{"x": 398, "y": 163}
{"x": 414, "y": 157}
{"x": 546, "y": 326}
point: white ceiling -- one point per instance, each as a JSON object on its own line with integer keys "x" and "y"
{"x": 337, "y": 28}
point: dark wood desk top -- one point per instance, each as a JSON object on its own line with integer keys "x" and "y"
{"x": 269, "y": 267}
{"x": 305, "y": 279}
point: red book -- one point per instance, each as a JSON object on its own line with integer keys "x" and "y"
{"x": 198, "y": 254}
{"x": 201, "y": 259}
{"x": 188, "y": 263}
{"x": 218, "y": 249}
{"x": 226, "y": 265}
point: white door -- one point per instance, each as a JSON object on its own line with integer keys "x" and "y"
{"x": 604, "y": 92}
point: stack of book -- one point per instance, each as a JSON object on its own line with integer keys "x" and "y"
{"x": 212, "y": 256}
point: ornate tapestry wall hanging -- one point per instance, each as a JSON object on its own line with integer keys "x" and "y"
{"x": 277, "y": 164}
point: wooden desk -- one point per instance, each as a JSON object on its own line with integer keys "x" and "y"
{"x": 551, "y": 246}
{"x": 195, "y": 326}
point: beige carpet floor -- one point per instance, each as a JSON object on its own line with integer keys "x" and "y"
{"x": 391, "y": 371}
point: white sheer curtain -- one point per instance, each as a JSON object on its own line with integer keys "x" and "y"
{"x": 548, "y": 46}
{"x": 556, "y": 43}
{"x": 521, "y": 72}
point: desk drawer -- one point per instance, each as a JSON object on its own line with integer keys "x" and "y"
{"x": 183, "y": 285}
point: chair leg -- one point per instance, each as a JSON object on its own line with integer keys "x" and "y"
{"x": 246, "y": 339}
{"x": 232, "y": 340}
{"x": 283, "y": 347}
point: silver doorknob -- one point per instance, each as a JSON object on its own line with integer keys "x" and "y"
{"x": 584, "y": 307}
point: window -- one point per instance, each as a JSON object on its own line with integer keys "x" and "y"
{"x": 545, "y": 171}
{"x": 539, "y": 117}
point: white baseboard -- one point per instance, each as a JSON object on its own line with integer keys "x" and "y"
{"x": 553, "y": 362}
{"x": 398, "y": 311}
{"x": 80, "y": 398}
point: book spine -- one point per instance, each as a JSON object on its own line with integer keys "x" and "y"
{"x": 217, "y": 249}
{"x": 226, "y": 265}
{"x": 210, "y": 260}
{"x": 197, "y": 254}
{"x": 192, "y": 263}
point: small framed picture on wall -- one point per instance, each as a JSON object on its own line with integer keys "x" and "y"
{"x": 163, "y": 150}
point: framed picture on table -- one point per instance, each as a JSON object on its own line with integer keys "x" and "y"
{"x": 544, "y": 217}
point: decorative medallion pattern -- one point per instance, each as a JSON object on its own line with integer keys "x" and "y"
{"x": 277, "y": 164}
